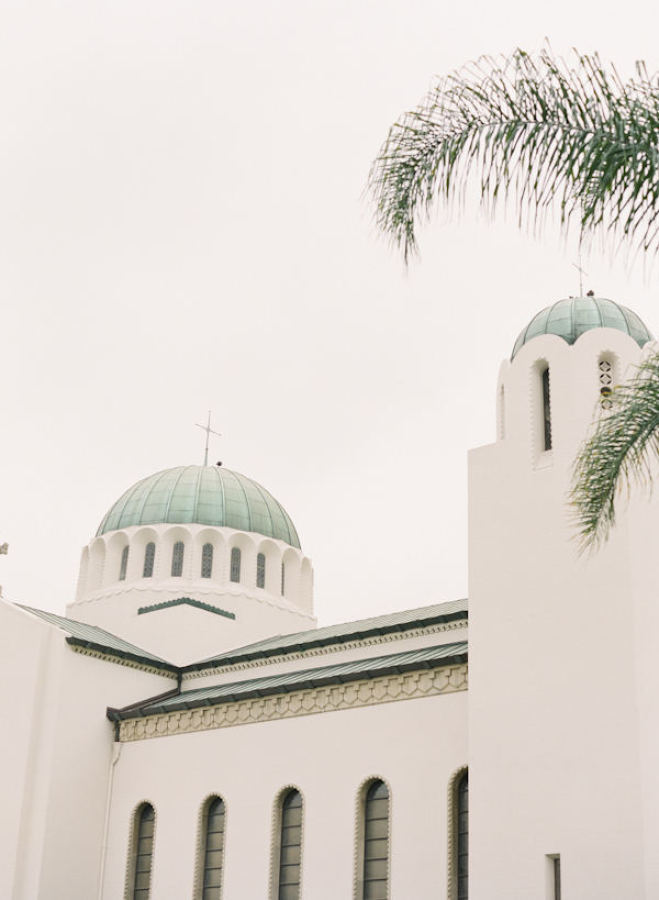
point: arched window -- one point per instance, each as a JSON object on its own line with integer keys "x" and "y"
{"x": 235, "y": 564}
{"x": 207, "y": 561}
{"x": 283, "y": 579}
{"x": 462, "y": 837}
{"x": 375, "y": 873}
{"x": 211, "y": 880}
{"x": 177, "y": 558}
{"x": 260, "y": 570}
{"x": 546, "y": 409}
{"x": 149, "y": 559}
{"x": 290, "y": 847}
{"x": 124, "y": 564}
{"x": 142, "y": 852}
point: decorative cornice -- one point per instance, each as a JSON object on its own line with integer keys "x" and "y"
{"x": 352, "y": 695}
{"x": 183, "y": 601}
{"x": 90, "y": 650}
{"x": 325, "y": 650}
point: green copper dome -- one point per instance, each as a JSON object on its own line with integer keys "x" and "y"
{"x": 204, "y": 495}
{"x": 570, "y": 318}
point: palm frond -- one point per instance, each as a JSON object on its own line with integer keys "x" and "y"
{"x": 540, "y": 132}
{"x": 624, "y": 447}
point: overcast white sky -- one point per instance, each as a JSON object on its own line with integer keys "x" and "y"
{"x": 182, "y": 228}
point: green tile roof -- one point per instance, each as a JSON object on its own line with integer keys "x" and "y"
{"x": 84, "y": 635}
{"x": 570, "y": 318}
{"x": 409, "y": 660}
{"x": 339, "y": 634}
{"x": 203, "y": 495}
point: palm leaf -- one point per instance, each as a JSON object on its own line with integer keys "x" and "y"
{"x": 623, "y": 447}
{"x": 539, "y": 132}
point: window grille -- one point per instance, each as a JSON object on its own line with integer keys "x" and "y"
{"x": 235, "y": 564}
{"x": 606, "y": 383}
{"x": 260, "y": 570}
{"x": 546, "y": 409}
{"x": 144, "y": 824}
{"x": 462, "y": 835}
{"x": 149, "y": 559}
{"x": 207, "y": 561}
{"x": 376, "y": 842}
{"x": 211, "y": 888}
{"x": 291, "y": 847}
{"x": 124, "y": 564}
{"x": 177, "y": 559}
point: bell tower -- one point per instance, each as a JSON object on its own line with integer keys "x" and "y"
{"x": 554, "y": 657}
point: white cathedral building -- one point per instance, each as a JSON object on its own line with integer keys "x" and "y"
{"x": 188, "y": 732}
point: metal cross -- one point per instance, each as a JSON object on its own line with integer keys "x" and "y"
{"x": 207, "y": 428}
{"x": 581, "y": 272}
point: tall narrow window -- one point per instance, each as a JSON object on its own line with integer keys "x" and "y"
{"x": 149, "y": 559}
{"x": 260, "y": 570}
{"x": 207, "y": 561}
{"x": 555, "y": 875}
{"x": 211, "y": 885}
{"x": 143, "y": 852}
{"x": 546, "y": 409}
{"x": 291, "y": 846}
{"x": 376, "y": 842}
{"x": 462, "y": 837}
{"x": 235, "y": 564}
{"x": 177, "y": 559}
{"x": 283, "y": 579}
{"x": 124, "y": 564}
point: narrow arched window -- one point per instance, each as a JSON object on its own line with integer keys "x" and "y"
{"x": 546, "y": 409}
{"x": 260, "y": 570}
{"x": 283, "y": 579}
{"x": 290, "y": 846}
{"x": 124, "y": 564}
{"x": 462, "y": 837}
{"x": 149, "y": 559}
{"x": 211, "y": 881}
{"x": 142, "y": 852}
{"x": 177, "y": 558}
{"x": 235, "y": 564}
{"x": 376, "y": 842}
{"x": 207, "y": 561}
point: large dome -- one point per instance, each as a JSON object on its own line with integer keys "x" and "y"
{"x": 204, "y": 495}
{"x": 570, "y": 318}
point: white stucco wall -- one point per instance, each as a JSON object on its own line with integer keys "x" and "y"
{"x": 56, "y": 757}
{"x": 554, "y": 754}
{"x": 186, "y": 634}
{"x": 415, "y": 745}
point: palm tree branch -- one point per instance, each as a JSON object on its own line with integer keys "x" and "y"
{"x": 623, "y": 447}
{"x": 535, "y": 129}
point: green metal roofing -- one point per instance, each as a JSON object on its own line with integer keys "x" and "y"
{"x": 84, "y": 635}
{"x": 339, "y": 634}
{"x": 570, "y": 318}
{"x": 409, "y": 660}
{"x": 203, "y": 495}
{"x": 185, "y": 601}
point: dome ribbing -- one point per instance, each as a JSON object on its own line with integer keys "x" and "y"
{"x": 203, "y": 495}
{"x": 570, "y": 318}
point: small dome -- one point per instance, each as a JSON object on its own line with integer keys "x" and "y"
{"x": 204, "y": 495}
{"x": 570, "y": 318}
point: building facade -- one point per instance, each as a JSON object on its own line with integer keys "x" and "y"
{"x": 188, "y": 731}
